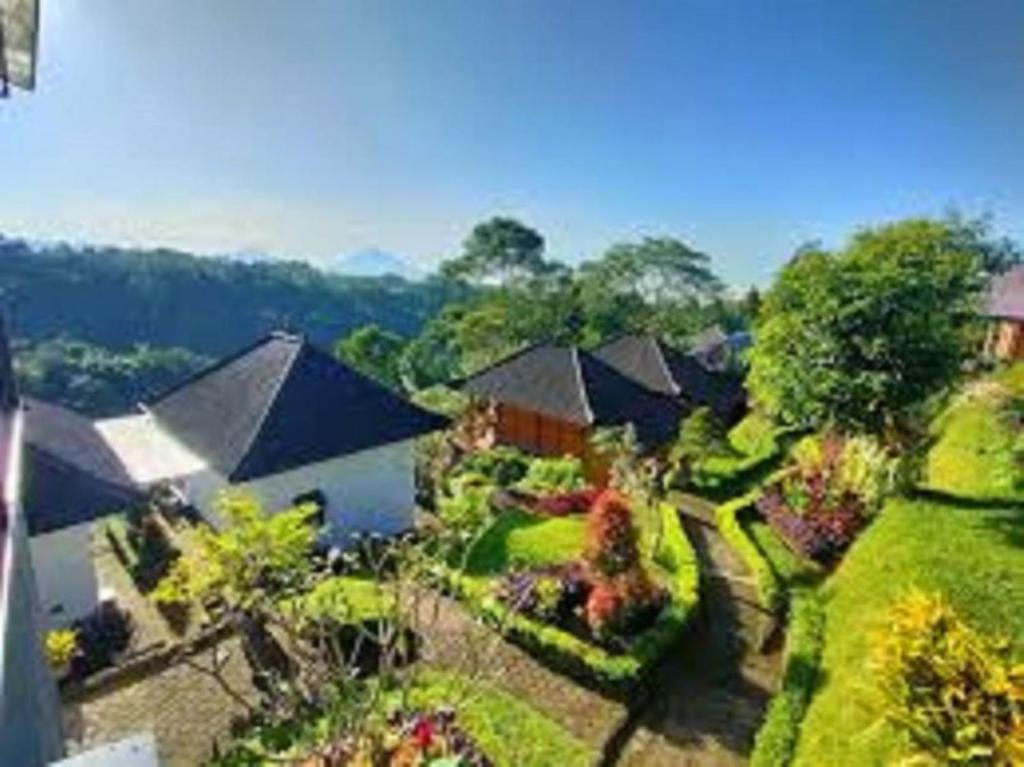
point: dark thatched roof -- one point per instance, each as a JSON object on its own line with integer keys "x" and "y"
{"x": 570, "y": 384}
{"x": 281, "y": 404}
{"x": 71, "y": 476}
{"x": 666, "y": 370}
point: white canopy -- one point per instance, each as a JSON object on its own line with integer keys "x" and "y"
{"x": 149, "y": 454}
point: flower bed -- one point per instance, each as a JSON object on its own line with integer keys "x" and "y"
{"x": 605, "y": 625}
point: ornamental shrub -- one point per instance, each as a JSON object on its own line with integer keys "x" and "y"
{"x": 502, "y": 465}
{"x": 565, "y": 504}
{"x": 611, "y": 547}
{"x": 951, "y": 689}
{"x": 553, "y": 475}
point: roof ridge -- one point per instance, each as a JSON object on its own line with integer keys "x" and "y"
{"x": 300, "y": 344}
{"x": 660, "y": 346}
{"x": 588, "y": 410}
{"x": 503, "y": 361}
{"x": 213, "y": 367}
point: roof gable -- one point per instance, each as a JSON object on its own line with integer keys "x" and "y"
{"x": 573, "y": 385}
{"x": 666, "y": 370}
{"x": 282, "y": 404}
{"x": 71, "y": 475}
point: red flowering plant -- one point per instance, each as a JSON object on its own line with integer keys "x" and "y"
{"x": 623, "y": 598}
{"x": 566, "y": 504}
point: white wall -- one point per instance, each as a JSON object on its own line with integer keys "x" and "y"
{"x": 65, "y": 574}
{"x": 370, "y": 491}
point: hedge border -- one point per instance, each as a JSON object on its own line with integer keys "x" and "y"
{"x": 618, "y": 675}
{"x": 777, "y": 738}
{"x": 771, "y": 591}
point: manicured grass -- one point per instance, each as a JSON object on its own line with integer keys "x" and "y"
{"x": 973, "y": 556}
{"x": 520, "y": 538}
{"x": 973, "y": 456}
{"x": 509, "y": 731}
{"x": 792, "y": 569}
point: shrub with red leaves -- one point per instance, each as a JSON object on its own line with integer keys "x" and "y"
{"x": 611, "y": 540}
{"x": 623, "y": 605}
{"x": 566, "y": 504}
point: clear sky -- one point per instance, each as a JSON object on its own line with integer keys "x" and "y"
{"x": 310, "y": 129}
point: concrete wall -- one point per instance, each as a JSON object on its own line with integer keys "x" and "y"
{"x": 371, "y": 491}
{"x": 66, "y": 578}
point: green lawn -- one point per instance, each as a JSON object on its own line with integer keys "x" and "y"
{"x": 974, "y": 556}
{"x": 509, "y": 731}
{"x": 520, "y": 538}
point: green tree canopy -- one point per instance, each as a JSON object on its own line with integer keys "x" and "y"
{"x": 500, "y": 250}
{"x": 374, "y": 352}
{"x": 862, "y": 336}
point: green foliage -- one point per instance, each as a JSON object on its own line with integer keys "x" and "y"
{"x": 347, "y": 600}
{"x": 553, "y": 475}
{"x": 502, "y": 466}
{"x": 729, "y": 519}
{"x": 375, "y": 353}
{"x": 776, "y": 740}
{"x": 466, "y": 507}
{"x": 863, "y": 336}
{"x": 499, "y": 249}
{"x": 523, "y": 539}
{"x": 976, "y": 450}
{"x": 98, "y": 381}
{"x": 441, "y": 399}
{"x": 949, "y": 687}
{"x": 256, "y": 556}
{"x": 117, "y": 298}
{"x": 752, "y": 448}
{"x": 971, "y": 555}
{"x": 617, "y": 673}
{"x": 61, "y": 646}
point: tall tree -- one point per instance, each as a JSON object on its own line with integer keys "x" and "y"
{"x": 861, "y": 337}
{"x": 499, "y": 251}
{"x": 374, "y": 352}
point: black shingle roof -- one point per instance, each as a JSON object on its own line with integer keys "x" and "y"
{"x": 669, "y": 371}
{"x": 283, "y": 403}
{"x": 570, "y": 384}
{"x": 71, "y": 476}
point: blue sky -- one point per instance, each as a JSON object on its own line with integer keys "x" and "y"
{"x": 318, "y": 128}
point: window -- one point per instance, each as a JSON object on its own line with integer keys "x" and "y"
{"x": 318, "y": 499}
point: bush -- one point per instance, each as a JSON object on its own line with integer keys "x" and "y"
{"x": 553, "y": 475}
{"x": 61, "y": 646}
{"x": 467, "y": 509}
{"x": 950, "y": 688}
{"x": 611, "y": 543}
{"x": 501, "y": 466}
{"x": 777, "y": 738}
{"x": 615, "y": 672}
{"x": 565, "y": 504}
{"x": 770, "y": 591}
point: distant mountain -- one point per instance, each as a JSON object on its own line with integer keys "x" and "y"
{"x": 373, "y": 262}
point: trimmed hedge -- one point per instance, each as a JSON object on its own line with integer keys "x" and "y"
{"x": 770, "y": 588}
{"x": 776, "y": 741}
{"x": 617, "y": 674}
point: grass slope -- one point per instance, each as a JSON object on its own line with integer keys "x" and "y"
{"x": 974, "y": 556}
{"x": 520, "y": 538}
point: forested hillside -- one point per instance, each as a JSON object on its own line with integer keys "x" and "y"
{"x": 117, "y": 298}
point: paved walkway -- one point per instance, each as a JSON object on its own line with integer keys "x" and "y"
{"x": 712, "y": 692}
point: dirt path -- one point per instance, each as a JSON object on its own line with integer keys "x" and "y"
{"x": 712, "y": 692}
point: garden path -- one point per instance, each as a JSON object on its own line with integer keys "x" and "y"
{"x": 710, "y": 696}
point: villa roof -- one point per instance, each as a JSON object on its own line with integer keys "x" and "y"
{"x": 573, "y": 385}
{"x": 71, "y": 476}
{"x": 1006, "y": 295}
{"x": 667, "y": 370}
{"x": 8, "y": 384}
{"x": 283, "y": 403}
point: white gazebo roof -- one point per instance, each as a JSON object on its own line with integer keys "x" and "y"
{"x": 148, "y": 453}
